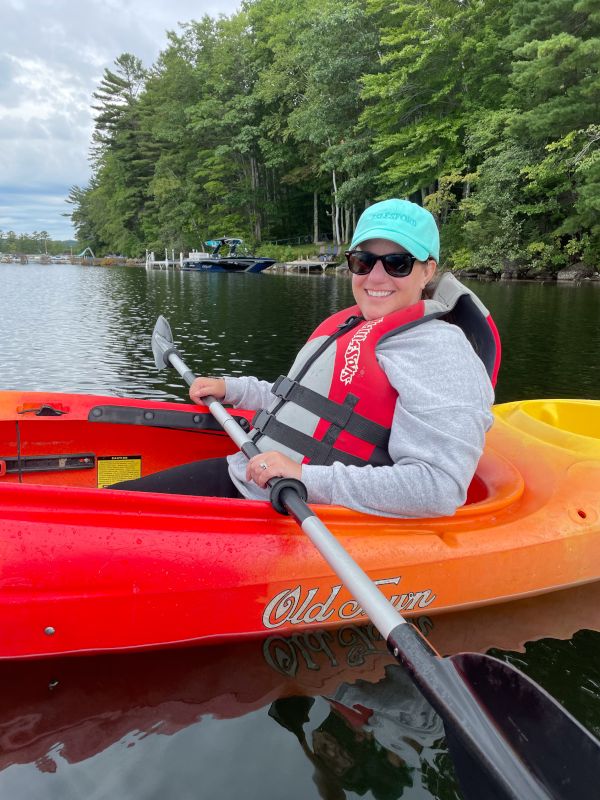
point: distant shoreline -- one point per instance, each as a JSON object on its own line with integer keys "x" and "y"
{"x": 576, "y": 278}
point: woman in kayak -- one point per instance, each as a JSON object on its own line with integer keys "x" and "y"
{"x": 385, "y": 408}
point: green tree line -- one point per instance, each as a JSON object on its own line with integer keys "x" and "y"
{"x": 31, "y": 243}
{"x": 287, "y": 118}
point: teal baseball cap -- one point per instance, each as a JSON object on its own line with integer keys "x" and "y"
{"x": 402, "y": 222}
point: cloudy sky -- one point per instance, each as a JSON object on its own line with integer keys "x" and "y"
{"x": 52, "y": 56}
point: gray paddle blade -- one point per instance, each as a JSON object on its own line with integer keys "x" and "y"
{"x": 162, "y": 342}
{"x": 557, "y": 750}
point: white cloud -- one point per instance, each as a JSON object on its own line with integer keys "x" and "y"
{"x": 38, "y": 208}
{"x": 53, "y": 55}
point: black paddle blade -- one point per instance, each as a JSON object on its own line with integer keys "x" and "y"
{"x": 487, "y": 765}
{"x": 473, "y": 777}
{"x": 292, "y": 713}
{"x": 557, "y": 750}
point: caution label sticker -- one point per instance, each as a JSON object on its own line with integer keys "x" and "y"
{"x": 112, "y": 469}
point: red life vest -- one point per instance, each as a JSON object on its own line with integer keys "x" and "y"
{"x": 337, "y": 404}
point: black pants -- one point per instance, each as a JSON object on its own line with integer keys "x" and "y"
{"x": 209, "y": 477}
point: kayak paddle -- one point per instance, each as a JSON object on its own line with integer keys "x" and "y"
{"x": 509, "y": 739}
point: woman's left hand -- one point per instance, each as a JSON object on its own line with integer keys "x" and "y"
{"x": 272, "y": 464}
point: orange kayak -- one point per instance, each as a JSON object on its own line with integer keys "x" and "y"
{"x": 88, "y": 569}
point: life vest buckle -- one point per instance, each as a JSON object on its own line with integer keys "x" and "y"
{"x": 260, "y": 420}
{"x": 283, "y": 386}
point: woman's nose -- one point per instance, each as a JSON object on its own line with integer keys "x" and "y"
{"x": 378, "y": 272}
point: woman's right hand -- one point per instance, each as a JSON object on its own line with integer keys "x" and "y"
{"x": 202, "y": 387}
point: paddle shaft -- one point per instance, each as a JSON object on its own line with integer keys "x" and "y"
{"x": 223, "y": 417}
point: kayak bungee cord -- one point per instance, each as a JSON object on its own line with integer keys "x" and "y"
{"x": 509, "y": 739}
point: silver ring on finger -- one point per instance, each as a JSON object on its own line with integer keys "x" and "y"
{"x": 262, "y": 465}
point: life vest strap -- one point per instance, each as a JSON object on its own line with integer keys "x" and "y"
{"x": 317, "y": 452}
{"x": 341, "y": 415}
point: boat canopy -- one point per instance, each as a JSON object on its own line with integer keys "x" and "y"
{"x": 216, "y": 244}
{"x": 224, "y": 240}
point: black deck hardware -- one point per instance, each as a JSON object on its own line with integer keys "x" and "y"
{"x": 156, "y": 418}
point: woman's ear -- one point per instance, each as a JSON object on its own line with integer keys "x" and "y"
{"x": 429, "y": 270}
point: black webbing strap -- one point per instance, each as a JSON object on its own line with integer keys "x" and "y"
{"x": 317, "y": 452}
{"x": 341, "y": 415}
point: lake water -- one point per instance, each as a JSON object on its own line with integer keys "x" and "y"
{"x": 321, "y": 716}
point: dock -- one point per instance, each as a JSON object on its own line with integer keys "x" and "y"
{"x": 167, "y": 263}
{"x": 304, "y": 265}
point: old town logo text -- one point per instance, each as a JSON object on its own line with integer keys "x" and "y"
{"x": 293, "y": 607}
{"x": 352, "y": 353}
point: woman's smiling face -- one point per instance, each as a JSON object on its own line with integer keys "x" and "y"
{"x": 378, "y": 294}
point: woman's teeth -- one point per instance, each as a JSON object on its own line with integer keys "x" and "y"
{"x": 372, "y": 293}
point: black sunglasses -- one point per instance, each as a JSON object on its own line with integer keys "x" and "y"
{"x": 398, "y": 265}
